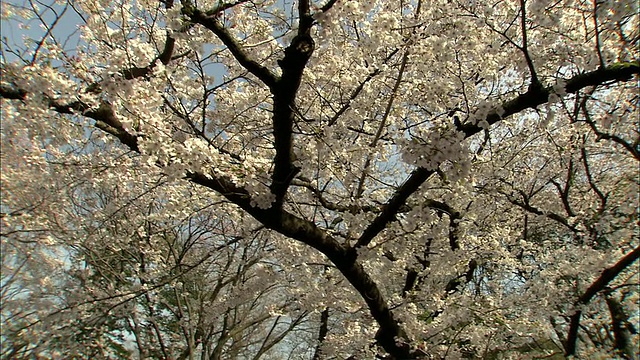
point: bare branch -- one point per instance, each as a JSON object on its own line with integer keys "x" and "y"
{"x": 49, "y": 31}
{"x": 381, "y": 126}
{"x": 358, "y": 90}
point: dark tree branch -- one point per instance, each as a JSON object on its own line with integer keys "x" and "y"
{"x": 409, "y": 282}
{"x": 381, "y": 126}
{"x": 454, "y": 284}
{"x": 329, "y": 205}
{"x": 49, "y": 28}
{"x": 535, "y": 82}
{"x": 12, "y": 93}
{"x": 164, "y": 57}
{"x": 358, "y": 90}
{"x": 608, "y": 275}
{"x": 564, "y": 190}
{"x": 342, "y": 257}
{"x": 322, "y": 333}
{"x": 592, "y": 184}
{"x": 533, "y": 98}
{"x": 391, "y": 208}
{"x": 326, "y": 7}
{"x": 598, "y": 285}
{"x": 107, "y": 121}
{"x": 222, "y": 6}
{"x": 524, "y": 204}
{"x": 306, "y": 20}
{"x": 596, "y": 30}
{"x": 345, "y": 260}
{"x": 454, "y": 218}
{"x": 603, "y": 135}
{"x": 412, "y": 280}
{"x": 296, "y": 56}
{"x": 105, "y": 118}
{"x": 621, "y": 335}
{"x": 284, "y": 89}
{"x": 211, "y": 22}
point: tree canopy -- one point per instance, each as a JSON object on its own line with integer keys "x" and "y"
{"x": 326, "y": 179}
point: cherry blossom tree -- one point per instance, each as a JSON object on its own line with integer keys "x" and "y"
{"x": 416, "y": 179}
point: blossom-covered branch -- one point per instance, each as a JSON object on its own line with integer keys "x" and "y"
{"x": 530, "y": 99}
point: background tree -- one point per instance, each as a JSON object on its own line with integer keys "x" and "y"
{"x": 445, "y": 178}
{"x": 112, "y": 275}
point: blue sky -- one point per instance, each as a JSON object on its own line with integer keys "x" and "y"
{"x": 23, "y": 35}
